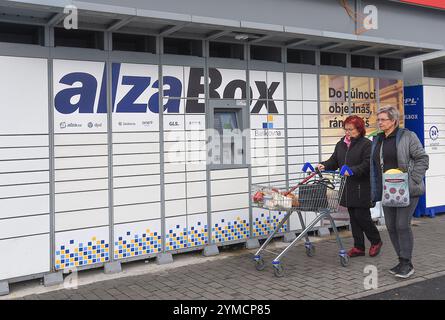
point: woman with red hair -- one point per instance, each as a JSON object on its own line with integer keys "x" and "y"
{"x": 354, "y": 150}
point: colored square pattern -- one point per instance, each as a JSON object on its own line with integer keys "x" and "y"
{"x": 132, "y": 246}
{"x": 275, "y": 220}
{"x": 269, "y": 123}
{"x": 81, "y": 254}
{"x": 197, "y": 236}
{"x": 264, "y": 224}
{"x": 176, "y": 238}
{"x": 223, "y": 231}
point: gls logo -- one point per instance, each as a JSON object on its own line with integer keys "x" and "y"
{"x": 86, "y": 93}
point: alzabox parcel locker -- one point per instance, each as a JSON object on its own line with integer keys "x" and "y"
{"x": 104, "y": 131}
{"x": 425, "y": 114}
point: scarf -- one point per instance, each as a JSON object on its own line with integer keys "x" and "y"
{"x": 347, "y": 140}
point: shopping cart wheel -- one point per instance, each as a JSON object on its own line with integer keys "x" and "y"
{"x": 278, "y": 270}
{"x": 344, "y": 260}
{"x": 259, "y": 264}
{"x": 310, "y": 251}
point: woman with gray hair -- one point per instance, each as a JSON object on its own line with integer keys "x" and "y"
{"x": 400, "y": 149}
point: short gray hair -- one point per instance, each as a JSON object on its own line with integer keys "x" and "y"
{"x": 392, "y": 112}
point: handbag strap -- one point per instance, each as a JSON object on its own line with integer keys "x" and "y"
{"x": 381, "y": 156}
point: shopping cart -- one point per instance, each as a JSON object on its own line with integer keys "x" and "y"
{"x": 318, "y": 192}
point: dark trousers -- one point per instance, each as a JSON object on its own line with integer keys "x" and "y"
{"x": 361, "y": 223}
{"x": 398, "y": 223}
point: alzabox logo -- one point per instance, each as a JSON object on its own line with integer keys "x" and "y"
{"x": 84, "y": 96}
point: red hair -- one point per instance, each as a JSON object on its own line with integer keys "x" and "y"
{"x": 357, "y": 122}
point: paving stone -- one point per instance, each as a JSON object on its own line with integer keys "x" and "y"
{"x": 235, "y": 277}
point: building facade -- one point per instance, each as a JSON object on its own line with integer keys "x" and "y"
{"x": 100, "y": 166}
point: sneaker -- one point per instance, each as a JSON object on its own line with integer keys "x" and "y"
{"x": 395, "y": 269}
{"x": 375, "y": 249}
{"x": 405, "y": 271}
{"x": 355, "y": 252}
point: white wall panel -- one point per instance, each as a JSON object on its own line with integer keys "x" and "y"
{"x": 220, "y": 203}
{"x": 195, "y": 166}
{"x": 295, "y": 121}
{"x": 16, "y": 207}
{"x": 136, "y": 181}
{"x": 24, "y": 141}
{"x": 127, "y": 137}
{"x": 434, "y": 96}
{"x": 195, "y": 135}
{"x": 310, "y": 107}
{"x": 80, "y": 139}
{"x": 174, "y": 167}
{"x": 77, "y": 151}
{"x": 196, "y": 189}
{"x": 81, "y": 219}
{"x": 294, "y": 86}
{"x": 135, "y": 148}
{"x": 174, "y": 136}
{"x": 310, "y": 121}
{"x": 174, "y": 157}
{"x": 136, "y": 170}
{"x": 24, "y": 153}
{"x": 131, "y": 159}
{"x": 81, "y": 200}
{"x": 81, "y": 162}
{"x": 24, "y": 190}
{"x": 222, "y": 187}
{"x": 174, "y": 146}
{"x": 196, "y": 205}
{"x": 23, "y": 177}
{"x": 294, "y": 222}
{"x": 175, "y": 208}
{"x": 228, "y": 174}
{"x": 144, "y": 211}
{"x": 19, "y": 227}
{"x": 19, "y": 251}
{"x": 195, "y": 122}
{"x": 75, "y": 186}
{"x": 175, "y": 177}
{"x": 310, "y": 91}
{"x": 84, "y": 173}
{"x": 196, "y": 176}
{"x": 24, "y": 91}
{"x": 174, "y": 191}
{"x": 23, "y": 165}
{"x": 260, "y": 171}
{"x": 294, "y": 133}
{"x": 434, "y": 195}
{"x": 137, "y": 195}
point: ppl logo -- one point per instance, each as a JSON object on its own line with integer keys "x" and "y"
{"x": 81, "y": 89}
{"x": 411, "y": 102}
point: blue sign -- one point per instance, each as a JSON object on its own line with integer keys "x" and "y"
{"x": 414, "y": 115}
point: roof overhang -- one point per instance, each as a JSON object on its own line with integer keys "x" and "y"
{"x": 137, "y": 21}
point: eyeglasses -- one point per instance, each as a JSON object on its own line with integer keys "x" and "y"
{"x": 382, "y": 120}
{"x": 349, "y": 129}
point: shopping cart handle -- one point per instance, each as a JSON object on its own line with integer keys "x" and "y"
{"x": 345, "y": 169}
{"x": 306, "y": 166}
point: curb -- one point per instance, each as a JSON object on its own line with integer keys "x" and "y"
{"x": 394, "y": 286}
